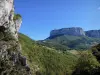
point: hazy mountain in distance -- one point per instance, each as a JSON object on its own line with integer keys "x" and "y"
{"x": 72, "y": 38}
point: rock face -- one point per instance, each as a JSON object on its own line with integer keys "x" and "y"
{"x": 11, "y": 60}
{"x": 93, "y": 33}
{"x": 6, "y": 18}
{"x": 75, "y": 31}
{"x": 18, "y": 23}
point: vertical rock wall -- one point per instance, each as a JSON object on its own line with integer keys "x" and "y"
{"x": 11, "y": 60}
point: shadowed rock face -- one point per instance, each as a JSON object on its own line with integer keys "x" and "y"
{"x": 13, "y": 63}
{"x": 93, "y": 33}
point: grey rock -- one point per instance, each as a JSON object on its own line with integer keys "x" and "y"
{"x": 9, "y": 46}
{"x": 5, "y": 8}
{"x": 93, "y": 33}
{"x": 27, "y": 68}
{"x": 75, "y": 31}
{"x": 22, "y": 59}
{"x": 6, "y": 18}
{"x": 18, "y": 24}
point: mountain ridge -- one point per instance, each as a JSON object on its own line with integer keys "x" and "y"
{"x": 72, "y": 38}
{"x": 74, "y": 31}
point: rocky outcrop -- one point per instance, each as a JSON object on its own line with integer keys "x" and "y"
{"x": 11, "y": 60}
{"x": 6, "y": 18}
{"x": 75, "y": 31}
{"x": 93, "y": 33}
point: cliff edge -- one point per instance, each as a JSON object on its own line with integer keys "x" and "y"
{"x": 11, "y": 60}
{"x": 74, "y": 31}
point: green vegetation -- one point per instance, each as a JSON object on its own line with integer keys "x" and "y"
{"x": 48, "y": 61}
{"x": 16, "y": 17}
{"x": 6, "y": 68}
{"x": 1, "y": 36}
{"x": 86, "y": 64}
{"x": 96, "y": 51}
{"x": 66, "y": 42}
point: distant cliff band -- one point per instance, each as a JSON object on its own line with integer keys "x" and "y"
{"x": 75, "y": 31}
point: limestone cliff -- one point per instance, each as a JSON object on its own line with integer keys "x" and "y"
{"x": 75, "y": 31}
{"x": 93, "y": 33}
{"x": 11, "y": 60}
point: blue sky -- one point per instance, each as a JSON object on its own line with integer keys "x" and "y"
{"x": 42, "y": 16}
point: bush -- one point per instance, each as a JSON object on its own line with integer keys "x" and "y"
{"x": 86, "y": 65}
{"x": 16, "y": 17}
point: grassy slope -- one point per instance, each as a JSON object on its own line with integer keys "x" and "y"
{"x": 73, "y": 42}
{"x": 48, "y": 61}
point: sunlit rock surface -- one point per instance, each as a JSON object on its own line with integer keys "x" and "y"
{"x": 11, "y": 60}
